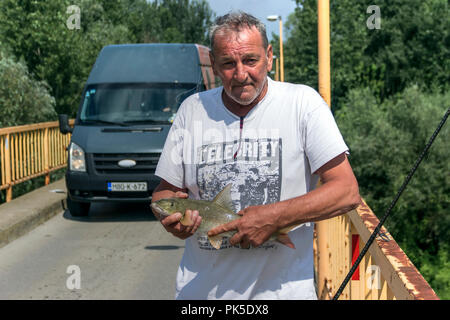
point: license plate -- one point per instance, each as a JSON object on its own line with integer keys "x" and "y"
{"x": 127, "y": 186}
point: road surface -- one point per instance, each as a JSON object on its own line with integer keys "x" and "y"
{"x": 119, "y": 252}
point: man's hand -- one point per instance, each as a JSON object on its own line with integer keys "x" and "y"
{"x": 172, "y": 223}
{"x": 253, "y": 229}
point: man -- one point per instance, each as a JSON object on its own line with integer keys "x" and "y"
{"x": 284, "y": 130}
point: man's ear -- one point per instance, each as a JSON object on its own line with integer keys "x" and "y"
{"x": 211, "y": 58}
{"x": 269, "y": 54}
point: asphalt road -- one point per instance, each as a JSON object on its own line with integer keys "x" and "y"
{"x": 119, "y": 252}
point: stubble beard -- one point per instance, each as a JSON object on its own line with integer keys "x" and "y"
{"x": 249, "y": 101}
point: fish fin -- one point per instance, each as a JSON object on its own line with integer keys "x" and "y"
{"x": 216, "y": 241}
{"x": 284, "y": 239}
{"x": 186, "y": 220}
{"x": 223, "y": 198}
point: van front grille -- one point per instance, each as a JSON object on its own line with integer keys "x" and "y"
{"x": 108, "y": 163}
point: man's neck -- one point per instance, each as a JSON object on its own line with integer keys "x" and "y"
{"x": 242, "y": 110}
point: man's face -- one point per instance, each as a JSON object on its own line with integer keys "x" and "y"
{"x": 242, "y": 63}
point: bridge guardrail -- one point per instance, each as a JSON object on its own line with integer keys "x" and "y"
{"x": 30, "y": 151}
{"x": 385, "y": 272}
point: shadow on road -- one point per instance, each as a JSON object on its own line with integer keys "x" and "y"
{"x": 117, "y": 212}
{"x": 162, "y": 247}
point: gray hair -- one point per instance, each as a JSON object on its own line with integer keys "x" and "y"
{"x": 235, "y": 21}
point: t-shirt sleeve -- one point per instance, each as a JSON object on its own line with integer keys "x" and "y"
{"x": 322, "y": 139}
{"x": 170, "y": 164}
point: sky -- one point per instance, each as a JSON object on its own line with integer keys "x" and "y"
{"x": 258, "y": 8}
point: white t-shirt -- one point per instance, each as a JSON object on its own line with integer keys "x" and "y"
{"x": 284, "y": 139}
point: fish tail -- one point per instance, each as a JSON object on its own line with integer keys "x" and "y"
{"x": 216, "y": 241}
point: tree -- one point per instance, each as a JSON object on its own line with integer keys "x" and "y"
{"x": 36, "y": 32}
{"x": 184, "y": 21}
{"x": 412, "y": 46}
{"x": 23, "y": 100}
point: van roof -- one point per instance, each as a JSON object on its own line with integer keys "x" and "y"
{"x": 144, "y": 63}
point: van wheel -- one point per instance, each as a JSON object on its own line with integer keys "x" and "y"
{"x": 78, "y": 209}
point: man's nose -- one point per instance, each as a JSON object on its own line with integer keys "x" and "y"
{"x": 240, "y": 74}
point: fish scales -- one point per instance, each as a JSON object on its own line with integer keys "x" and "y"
{"x": 212, "y": 215}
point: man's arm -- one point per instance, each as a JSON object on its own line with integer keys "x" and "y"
{"x": 172, "y": 223}
{"x": 337, "y": 194}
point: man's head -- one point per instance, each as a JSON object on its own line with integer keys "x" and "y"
{"x": 241, "y": 56}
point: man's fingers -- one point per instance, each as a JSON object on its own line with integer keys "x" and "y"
{"x": 181, "y": 194}
{"x": 223, "y": 228}
{"x": 245, "y": 245}
{"x": 241, "y": 213}
{"x": 236, "y": 239}
{"x": 173, "y": 225}
{"x": 193, "y": 218}
{"x": 197, "y": 221}
{"x": 173, "y": 218}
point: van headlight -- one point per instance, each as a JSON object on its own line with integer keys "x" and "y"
{"x": 77, "y": 161}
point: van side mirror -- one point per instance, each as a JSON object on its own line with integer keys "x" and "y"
{"x": 64, "y": 124}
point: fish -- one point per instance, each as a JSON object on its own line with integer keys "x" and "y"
{"x": 214, "y": 213}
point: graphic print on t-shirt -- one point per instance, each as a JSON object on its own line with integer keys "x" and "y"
{"x": 254, "y": 171}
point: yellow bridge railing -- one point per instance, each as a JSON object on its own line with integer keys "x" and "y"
{"x": 385, "y": 272}
{"x": 30, "y": 151}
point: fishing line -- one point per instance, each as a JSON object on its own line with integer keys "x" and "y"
{"x": 388, "y": 211}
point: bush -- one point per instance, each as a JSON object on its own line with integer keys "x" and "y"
{"x": 23, "y": 100}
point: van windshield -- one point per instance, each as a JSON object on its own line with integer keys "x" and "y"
{"x": 134, "y": 103}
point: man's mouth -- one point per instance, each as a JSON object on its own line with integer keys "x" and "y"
{"x": 242, "y": 85}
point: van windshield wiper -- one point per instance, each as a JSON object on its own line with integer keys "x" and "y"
{"x": 106, "y": 122}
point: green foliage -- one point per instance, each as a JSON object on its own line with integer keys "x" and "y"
{"x": 412, "y": 46}
{"x": 300, "y": 48}
{"x": 36, "y": 32}
{"x": 385, "y": 140}
{"x": 435, "y": 269}
{"x": 23, "y": 100}
{"x": 184, "y": 21}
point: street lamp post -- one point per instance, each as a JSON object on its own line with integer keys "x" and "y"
{"x": 277, "y": 68}
{"x": 275, "y": 18}
{"x": 322, "y": 227}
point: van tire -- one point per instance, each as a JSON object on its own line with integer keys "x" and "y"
{"x": 78, "y": 209}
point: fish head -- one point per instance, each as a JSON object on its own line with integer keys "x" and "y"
{"x": 166, "y": 207}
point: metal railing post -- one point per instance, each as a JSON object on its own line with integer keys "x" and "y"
{"x": 8, "y": 168}
{"x": 46, "y": 156}
{"x": 323, "y": 12}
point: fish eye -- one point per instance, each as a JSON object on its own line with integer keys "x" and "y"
{"x": 171, "y": 204}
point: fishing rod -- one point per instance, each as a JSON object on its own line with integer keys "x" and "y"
{"x": 388, "y": 211}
